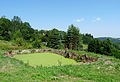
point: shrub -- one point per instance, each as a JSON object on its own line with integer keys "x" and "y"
{"x": 36, "y": 43}
{"x": 116, "y": 53}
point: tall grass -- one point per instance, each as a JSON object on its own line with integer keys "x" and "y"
{"x": 5, "y": 45}
{"x": 11, "y": 45}
{"x": 15, "y": 70}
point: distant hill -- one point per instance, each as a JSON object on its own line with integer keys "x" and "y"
{"x": 113, "y": 39}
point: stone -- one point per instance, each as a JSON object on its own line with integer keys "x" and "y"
{"x": 107, "y": 62}
{"x": 25, "y": 51}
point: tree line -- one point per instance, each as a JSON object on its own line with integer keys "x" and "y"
{"x": 24, "y": 35}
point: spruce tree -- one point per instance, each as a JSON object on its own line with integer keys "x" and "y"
{"x": 72, "y": 37}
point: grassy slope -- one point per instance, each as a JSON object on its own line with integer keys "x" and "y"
{"x": 5, "y": 45}
{"x": 10, "y": 45}
{"x": 44, "y": 59}
{"x": 101, "y": 71}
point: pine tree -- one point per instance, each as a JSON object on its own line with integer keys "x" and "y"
{"x": 72, "y": 37}
{"x": 54, "y": 39}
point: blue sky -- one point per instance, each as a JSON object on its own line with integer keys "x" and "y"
{"x": 98, "y": 17}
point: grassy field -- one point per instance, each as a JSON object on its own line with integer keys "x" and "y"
{"x": 44, "y": 59}
{"x": 106, "y": 69}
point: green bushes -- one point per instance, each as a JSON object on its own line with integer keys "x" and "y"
{"x": 14, "y": 45}
{"x": 103, "y": 47}
{"x": 116, "y": 53}
{"x": 37, "y": 43}
{"x": 18, "y": 32}
{"x": 5, "y": 45}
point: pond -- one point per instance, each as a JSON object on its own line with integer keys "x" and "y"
{"x": 44, "y": 59}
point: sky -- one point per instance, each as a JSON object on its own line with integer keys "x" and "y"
{"x": 101, "y": 18}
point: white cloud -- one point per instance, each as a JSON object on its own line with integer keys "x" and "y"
{"x": 79, "y": 20}
{"x": 97, "y": 19}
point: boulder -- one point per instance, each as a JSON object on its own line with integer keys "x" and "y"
{"x": 25, "y": 51}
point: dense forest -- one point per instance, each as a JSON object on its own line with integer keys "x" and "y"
{"x": 22, "y": 34}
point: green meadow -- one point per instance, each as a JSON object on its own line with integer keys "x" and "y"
{"x": 44, "y": 59}
{"x": 17, "y": 69}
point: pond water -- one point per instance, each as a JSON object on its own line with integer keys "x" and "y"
{"x": 44, "y": 59}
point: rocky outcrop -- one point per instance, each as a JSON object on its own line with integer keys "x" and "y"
{"x": 77, "y": 57}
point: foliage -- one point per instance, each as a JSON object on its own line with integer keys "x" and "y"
{"x": 18, "y": 31}
{"x": 24, "y": 36}
{"x": 72, "y": 37}
{"x": 5, "y": 29}
{"x": 14, "y": 70}
{"x": 87, "y": 38}
{"x": 116, "y": 45}
{"x": 103, "y": 47}
{"x": 5, "y": 45}
{"x": 55, "y": 39}
{"x": 116, "y": 53}
{"x": 37, "y": 43}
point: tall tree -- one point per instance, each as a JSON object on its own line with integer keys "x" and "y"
{"x": 102, "y": 47}
{"x": 108, "y": 46}
{"x": 27, "y": 31}
{"x": 16, "y": 23}
{"x": 72, "y": 37}
{"x": 18, "y": 38}
{"x": 87, "y": 38}
{"x": 54, "y": 39}
{"x": 5, "y": 29}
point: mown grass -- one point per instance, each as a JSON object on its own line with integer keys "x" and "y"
{"x": 44, "y": 59}
{"x": 12, "y": 69}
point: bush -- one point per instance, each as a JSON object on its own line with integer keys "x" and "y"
{"x": 116, "y": 53}
{"x": 36, "y": 43}
{"x": 5, "y": 45}
{"x": 19, "y": 41}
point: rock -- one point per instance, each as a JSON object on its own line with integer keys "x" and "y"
{"x": 107, "y": 62}
{"x": 111, "y": 68}
{"x": 5, "y": 54}
{"x": 15, "y": 51}
{"x": 98, "y": 67}
{"x": 78, "y": 57}
{"x": 25, "y": 51}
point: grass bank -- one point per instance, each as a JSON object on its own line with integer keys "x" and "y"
{"x": 106, "y": 69}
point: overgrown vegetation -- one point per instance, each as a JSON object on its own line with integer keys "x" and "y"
{"x": 105, "y": 70}
{"x": 105, "y": 47}
{"x": 15, "y": 34}
{"x": 22, "y": 35}
{"x": 25, "y": 36}
{"x": 5, "y": 45}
